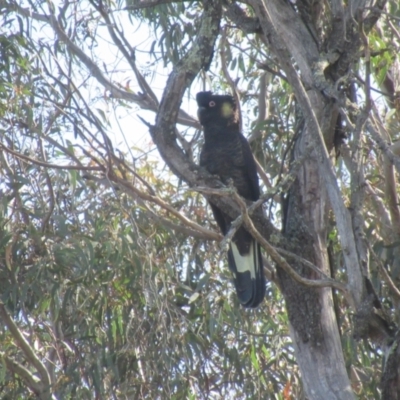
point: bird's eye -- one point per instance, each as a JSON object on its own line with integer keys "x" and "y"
{"x": 211, "y": 103}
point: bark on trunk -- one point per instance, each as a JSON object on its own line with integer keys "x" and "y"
{"x": 314, "y": 328}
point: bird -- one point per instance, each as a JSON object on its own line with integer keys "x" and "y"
{"x": 227, "y": 153}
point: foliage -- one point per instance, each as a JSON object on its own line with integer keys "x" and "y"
{"x": 109, "y": 265}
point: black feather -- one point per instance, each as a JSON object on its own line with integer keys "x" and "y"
{"x": 227, "y": 153}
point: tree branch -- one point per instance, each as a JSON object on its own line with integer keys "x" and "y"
{"x": 386, "y": 277}
{"x": 144, "y": 101}
{"x": 383, "y": 145}
{"x": 25, "y": 347}
{"x": 240, "y": 18}
{"x": 271, "y": 250}
{"x": 281, "y": 261}
{"x": 290, "y": 29}
{"x": 48, "y": 165}
{"x": 24, "y": 374}
{"x": 129, "y": 55}
{"x": 211, "y": 235}
{"x": 199, "y": 56}
{"x": 141, "y": 4}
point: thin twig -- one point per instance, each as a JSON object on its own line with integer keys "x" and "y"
{"x": 49, "y": 213}
{"x": 166, "y": 206}
{"x": 281, "y": 261}
{"x": 383, "y": 145}
{"x": 48, "y": 165}
{"x": 303, "y": 261}
{"x": 384, "y": 273}
{"x": 272, "y": 251}
{"x": 127, "y": 50}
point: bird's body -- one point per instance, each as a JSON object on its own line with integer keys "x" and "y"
{"x": 226, "y": 153}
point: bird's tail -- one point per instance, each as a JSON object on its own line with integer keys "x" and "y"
{"x": 248, "y": 274}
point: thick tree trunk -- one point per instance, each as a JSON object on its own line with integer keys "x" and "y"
{"x": 313, "y": 322}
{"x": 314, "y": 328}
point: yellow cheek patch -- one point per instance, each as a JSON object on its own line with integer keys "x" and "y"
{"x": 226, "y": 110}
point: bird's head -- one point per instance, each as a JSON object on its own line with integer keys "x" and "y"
{"x": 217, "y": 109}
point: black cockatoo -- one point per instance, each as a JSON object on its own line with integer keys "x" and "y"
{"x": 227, "y": 153}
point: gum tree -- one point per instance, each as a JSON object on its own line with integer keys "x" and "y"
{"x": 112, "y": 280}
